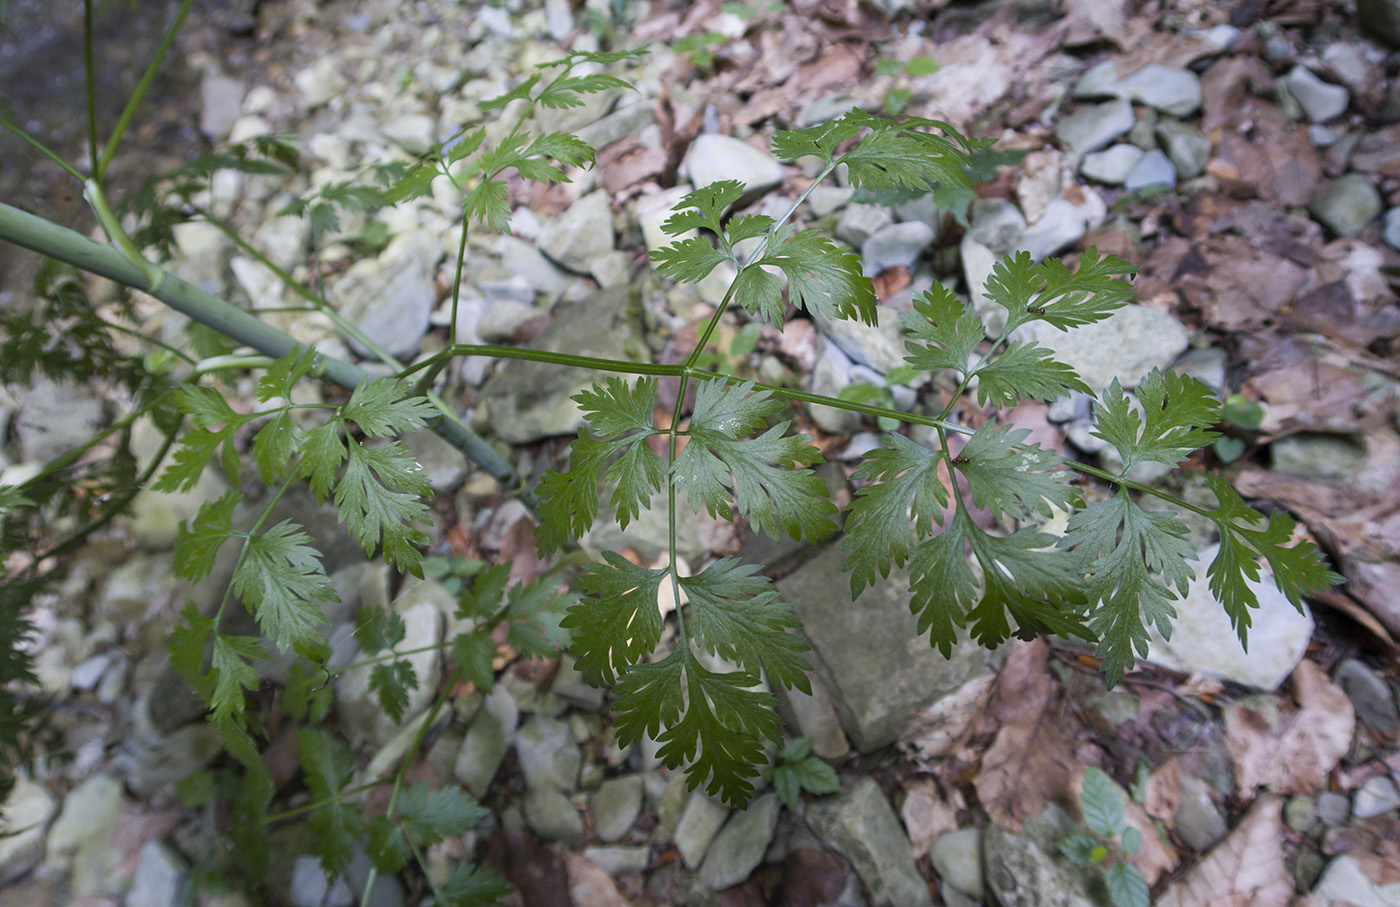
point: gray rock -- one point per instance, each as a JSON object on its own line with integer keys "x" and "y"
{"x": 527, "y": 401}
{"x": 1060, "y": 226}
{"x": 1321, "y": 101}
{"x": 1392, "y": 228}
{"x": 1207, "y": 364}
{"x": 1370, "y": 695}
{"x": 27, "y": 813}
{"x": 549, "y": 758}
{"x": 815, "y": 716}
{"x": 1333, "y": 809}
{"x": 321, "y": 81}
{"x": 615, "y": 806}
{"x": 55, "y": 418}
{"x": 524, "y": 261}
{"x": 1322, "y": 136}
{"x": 1380, "y": 19}
{"x": 1344, "y": 881}
{"x": 921, "y": 208}
{"x": 443, "y": 465}
{"x": 570, "y": 686}
{"x": 581, "y": 234}
{"x": 503, "y": 317}
{"x": 824, "y": 200}
{"x": 881, "y": 347}
{"x": 1317, "y": 457}
{"x": 391, "y": 297}
{"x": 221, "y": 102}
{"x": 623, "y": 122}
{"x": 860, "y": 824}
{"x": 716, "y": 157}
{"x": 898, "y": 245}
{"x": 421, "y": 605}
{"x": 879, "y": 670}
{"x": 1346, "y": 205}
{"x": 309, "y": 882}
{"x": 831, "y": 373}
{"x": 698, "y": 825}
{"x": 739, "y": 847}
{"x": 1172, "y": 91}
{"x": 1152, "y": 169}
{"x": 1299, "y": 813}
{"x": 997, "y": 224}
{"x": 552, "y": 816}
{"x": 859, "y": 222}
{"x": 1204, "y": 642}
{"x": 1198, "y": 819}
{"x": 487, "y": 739}
{"x": 1098, "y": 83}
{"x": 1376, "y": 797}
{"x": 1186, "y": 146}
{"x": 957, "y": 860}
{"x": 413, "y": 132}
{"x": 183, "y": 753}
{"x": 160, "y": 874}
{"x": 1091, "y": 128}
{"x": 1127, "y": 345}
{"x": 1112, "y": 165}
{"x": 1027, "y": 870}
{"x": 618, "y": 859}
{"x": 82, "y": 839}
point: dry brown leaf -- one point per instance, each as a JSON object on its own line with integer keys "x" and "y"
{"x": 589, "y": 884}
{"x": 926, "y": 816}
{"x": 1164, "y": 791}
{"x": 1236, "y": 285}
{"x": 938, "y": 728}
{"x": 1321, "y": 394}
{"x": 1036, "y": 753}
{"x": 1294, "y": 757}
{"x": 1245, "y": 870}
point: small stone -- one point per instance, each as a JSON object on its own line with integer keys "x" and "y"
{"x": 1125, "y": 346}
{"x": 552, "y": 816}
{"x": 1152, "y": 169}
{"x": 391, "y": 297}
{"x": 824, "y": 200}
{"x": 321, "y": 81}
{"x": 1186, "y": 146}
{"x": 1112, "y": 165}
{"x": 1345, "y": 881}
{"x": 1299, "y": 813}
{"x": 1173, "y": 91}
{"x": 55, "y": 418}
{"x": 881, "y": 346}
{"x": 861, "y": 825}
{"x": 221, "y": 100}
{"x": 581, "y": 234}
{"x": 898, "y": 245}
{"x": 309, "y": 882}
{"x": 1098, "y": 83}
{"x": 1307, "y": 866}
{"x": 1321, "y": 101}
{"x": 503, "y": 317}
{"x": 1376, "y": 797}
{"x": 1317, "y": 457}
{"x": 957, "y": 860}
{"x": 160, "y": 874}
{"x": 1332, "y": 808}
{"x": 27, "y": 812}
{"x": 1198, "y": 819}
{"x": 1060, "y": 226}
{"x": 740, "y": 846}
{"x": 177, "y": 756}
{"x": 1370, "y": 695}
{"x": 616, "y": 860}
{"x": 698, "y": 825}
{"x": 859, "y": 222}
{"x": 1346, "y": 205}
{"x": 615, "y": 806}
{"x": 1392, "y": 228}
{"x": 1322, "y": 136}
{"x": 548, "y": 755}
{"x": 714, "y": 158}
{"x": 1207, "y": 364}
{"x": 486, "y": 741}
{"x": 1094, "y": 127}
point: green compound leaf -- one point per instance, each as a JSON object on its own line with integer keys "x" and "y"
{"x": 472, "y": 654}
{"x": 391, "y": 683}
{"x": 382, "y": 407}
{"x": 1025, "y": 370}
{"x": 1050, "y": 292}
{"x": 273, "y": 447}
{"x": 188, "y": 642}
{"x": 1012, "y": 479}
{"x": 430, "y": 818}
{"x": 688, "y": 260}
{"x": 1132, "y": 557}
{"x": 715, "y": 722}
{"x": 704, "y": 209}
{"x": 415, "y": 183}
{"x": 816, "y": 776}
{"x": 283, "y": 375}
{"x": 821, "y": 279}
{"x": 387, "y": 847}
{"x": 1126, "y": 885}
{"x": 378, "y": 629}
{"x": 736, "y": 614}
{"x": 878, "y": 524}
{"x": 622, "y": 418}
{"x": 1101, "y": 804}
{"x": 565, "y": 92}
{"x": 197, "y": 446}
{"x": 1177, "y": 410}
{"x": 281, "y": 581}
{"x": 322, "y": 452}
{"x": 519, "y": 92}
{"x": 231, "y": 674}
{"x": 488, "y": 203}
{"x": 757, "y": 475}
{"x": 380, "y": 497}
{"x": 949, "y": 331}
{"x": 619, "y": 622}
{"x": 473, "y": 886}
{"x": 197, "y": 548}
{"x": 1298, "y": 569}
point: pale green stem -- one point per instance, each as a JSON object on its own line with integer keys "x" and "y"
{"x": 129, "y": 111}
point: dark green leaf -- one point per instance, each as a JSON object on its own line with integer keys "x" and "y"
{"x": 390, "y": 683}
{"x": 283, "y": 375}
{"x": 472, "y": 654}
{"x": 619, "y": 622}
{"x": 1010, "y": 478}
{"x": 736, "y": 614}
{"x": 1126, "y": 885}
{"x": 1025, "y": 370}
{"x": 878, "y": 526}
{"x": 470, "y": 886}
{"x": 950, "y": 331}
{"x": 281, "y": 581}
{"x": 428, "y": 819}
{"x": 1101, "y": 804}
{"x": 197, "y": 548}
{"x": 379, "y": 497}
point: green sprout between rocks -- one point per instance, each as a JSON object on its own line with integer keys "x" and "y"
{"x": 1113, "y": 571}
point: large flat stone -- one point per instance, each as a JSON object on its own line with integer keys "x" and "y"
{"x": 879, "y": 670}
{"x": 861, "y": 825}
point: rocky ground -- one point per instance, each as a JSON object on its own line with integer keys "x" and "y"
{"x": 1248, "y": 159}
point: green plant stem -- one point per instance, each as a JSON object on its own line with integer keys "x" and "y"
{"x": 324, "y": 801}
{"x": 90, "y": 86}
{"x": 129, "y": 111}
{"x": 43, "y": 149}
{"x": 407, "y": 761}
{"x": 35, "y": 233}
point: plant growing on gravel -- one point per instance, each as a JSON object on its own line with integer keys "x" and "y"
{"x": 1102, "y": 808}
{"x": 1111, "y": 571}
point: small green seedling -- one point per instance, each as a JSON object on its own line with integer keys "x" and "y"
{"x": 1241, "y": 413}
{"x": 798, "y": 770}
{"x": 1102, "y": 807}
